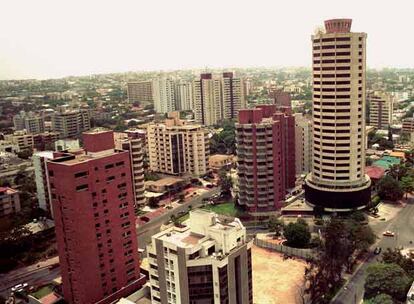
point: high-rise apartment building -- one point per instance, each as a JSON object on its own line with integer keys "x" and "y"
{"x": 92, "y": 200}
{"x": 178, "y": 148}
{"x": 30, "y": 122}
{"x": 207, "y": 100}
{"x": 380, "y": 109}
{"x": 265, "y": 148}
{"x": 71, "y": 123}
{"x": 184, "y": 96}
{"x": 280, "y": 98}
{"x": 140, "y": 92}
{"x": 207, "y": 261}
{"x": 132, "y": 141}
{"x": 338, "y": 180}
{"x": 42, "y": 189}
{"x": 303, "y": 144}
{"x": 233, "y": 98}
{"x": 164, "y": 95}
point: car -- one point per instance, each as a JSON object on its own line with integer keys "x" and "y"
{"x": 388, "y": 233}
{"x": 19, "y": 287}
{"x": 377, "y": 250}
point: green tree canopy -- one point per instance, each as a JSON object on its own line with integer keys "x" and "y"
{"x": 389, "y": 189}
{"x": 382, "y": 298}
{"x": 297, "y": 234}
{"x": 388, "y": 279}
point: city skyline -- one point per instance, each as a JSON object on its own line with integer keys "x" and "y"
{"x": 48, "y": 40}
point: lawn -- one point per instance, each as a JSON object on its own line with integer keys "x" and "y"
{"x": 225, "y": 209}
{"x": 43, "y": 291}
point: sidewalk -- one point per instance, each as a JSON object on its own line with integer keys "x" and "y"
{"x": 25, "y": 270}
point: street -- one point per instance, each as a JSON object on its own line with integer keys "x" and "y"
{"x": 403, "y": 227}
{"x": 147, "y": 230}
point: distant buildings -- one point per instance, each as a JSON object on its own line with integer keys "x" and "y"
{"x": 71, "y": 123}
{"x": 280, "y": 98}
{"x": 265, "y": 140}
{"x": 380, "y": 109}
{"x": 338, "y": 180}
{"x": 233, "y": 98}
{"x": 207, "y": 261}
{"x": 92, "y": 199}
{"x": 184, "y": 96}
{"x": 207, "y": 100}
{"x": 408, "y": 125}
{"x": 21, "y": 140}
{"x": 31, "y": 122}
{"x": 9, "y": 201}
{"x": 303, "y": 144}
{"x": 177, "y": 148}
{"x": 164, "y": 95}
{"x": 216, "y": 99}
{"x": 140, "y": 92}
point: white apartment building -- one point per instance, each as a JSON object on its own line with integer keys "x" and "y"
{"x": 164, "y": 95}
{"x": 178, "y": 148}
{"x": 207, "y": 98}
{"x": 30, "y": 122}
{"x": 381, "y": 105}
{"x": 184, "y": 96}
{"x": 303, "y": 144}
{"x": 20, "y": 139}
{"x": 233, "y": 97}
{"x": 41, "y": 178}
{"x": 71, "y": 123}
{"x": 207, "y": 260}
{"x": 9, "y": 201}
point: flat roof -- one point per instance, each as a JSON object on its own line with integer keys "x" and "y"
{"x": 165, "y": 181}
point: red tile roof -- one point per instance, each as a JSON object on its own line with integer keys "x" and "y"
{"x": 375, "y": 172}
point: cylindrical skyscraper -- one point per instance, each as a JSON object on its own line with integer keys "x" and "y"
{"x": 337, "y": 181}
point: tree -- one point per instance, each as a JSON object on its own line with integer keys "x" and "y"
{"x": 407, "y": 184}
{"x": 297, "y": 234}
{"x": 389, "y": 189}
{"x": 225, "y": 182}
{"x": 132, "y": 123}
{"x": 225, "y": 141}
{"x": 382, "y": 298}
{"x": 275, "y": 225}
{"x": 398, "y": 171}
{"x": 394, "y": 256}
{"x": 25, "y": 154}
{"x": 388, "y": 279}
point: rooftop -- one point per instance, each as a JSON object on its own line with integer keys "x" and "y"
{"x": 375, "y": 172}
{"x": 166, "y": 181}
{"x": 387, "y": 161}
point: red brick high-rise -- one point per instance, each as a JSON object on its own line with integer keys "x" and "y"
{"x": 266, "y": 157}
{"x": 93, "y": 205}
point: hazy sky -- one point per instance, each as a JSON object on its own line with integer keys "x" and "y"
{"x": 54, "y": 38}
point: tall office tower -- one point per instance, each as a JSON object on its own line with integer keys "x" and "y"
{"x": 233, "y": 98}
{"x": 164, "y": 95}
{"x": 92, "y": 200}
{"x": 176, "y": 147}
{"x": 133, "y": 142}
{"x": 338, "y": 180}
{"x": 207, "y": 261}
{"x": 207, "y": 100}
{"x": 303, "y": 144}
{"x": 184, "y": 96}
{"x": 30, "y": 121}
{"x": 71, "y": 123}
{"x": 380, "y": 109}
{"x": 265, "y": 149}
{"x": 140, "y": 92}
{"x": 280, "y": 98}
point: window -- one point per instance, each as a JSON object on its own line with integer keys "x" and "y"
{"x": 109, "y": 166}
{"x": 81, "y": 174}
{"x": 50, "y": 173}
{"x": 121, "y": 163}
{"x": 83, "y": 187}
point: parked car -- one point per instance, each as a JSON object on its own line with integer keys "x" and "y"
{"x": 19, "y": 287}
{"x": 388, "y": 233}
{"x": 377, "y": 250}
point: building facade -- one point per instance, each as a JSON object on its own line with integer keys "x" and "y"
{"x": 233, "y": 98}
{"x": 380, "y": 109}
{"x": 71, "y": 123}
{"x": 207, "y": 100}
{"x": 164, "y": 95}
{"x": 21, "y": 140}
{"x": 9, "y": 201}
{"x": 140, "y": 92}
{"x": 303, "y": 144}
{"x": 177, "y": 148}
{"x": 184, "y": 96}
{"x": 207, "y": 261}
{"x": 338, "y": 180}
{"x": 265, "y": 145}
{"x": 41, "y": 178}
{"x": 280, "y": 98}
{"x": 92, "y": 200}
{"x": 134, "y": 143}
{"x": 30, "y": 122}
{"x": 408, "y": 125}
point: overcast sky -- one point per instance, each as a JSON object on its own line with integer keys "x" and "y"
{"x": 54, "y": 38}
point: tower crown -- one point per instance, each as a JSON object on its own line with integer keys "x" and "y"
{"x": 338, "y": 26}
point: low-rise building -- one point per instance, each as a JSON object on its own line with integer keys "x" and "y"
{"x": 206, "y": 261}
{"x": 408, "y": 125}
{"x": 20, "y": 139}
{"x": 219, "y": 161}
{"x": 9, "y": 201}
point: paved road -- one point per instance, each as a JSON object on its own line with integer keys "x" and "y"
{"x": 149, "y": 229}
{"x": 403, "y": 226}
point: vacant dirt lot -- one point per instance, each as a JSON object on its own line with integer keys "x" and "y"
{"x": 275, "y": 280}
